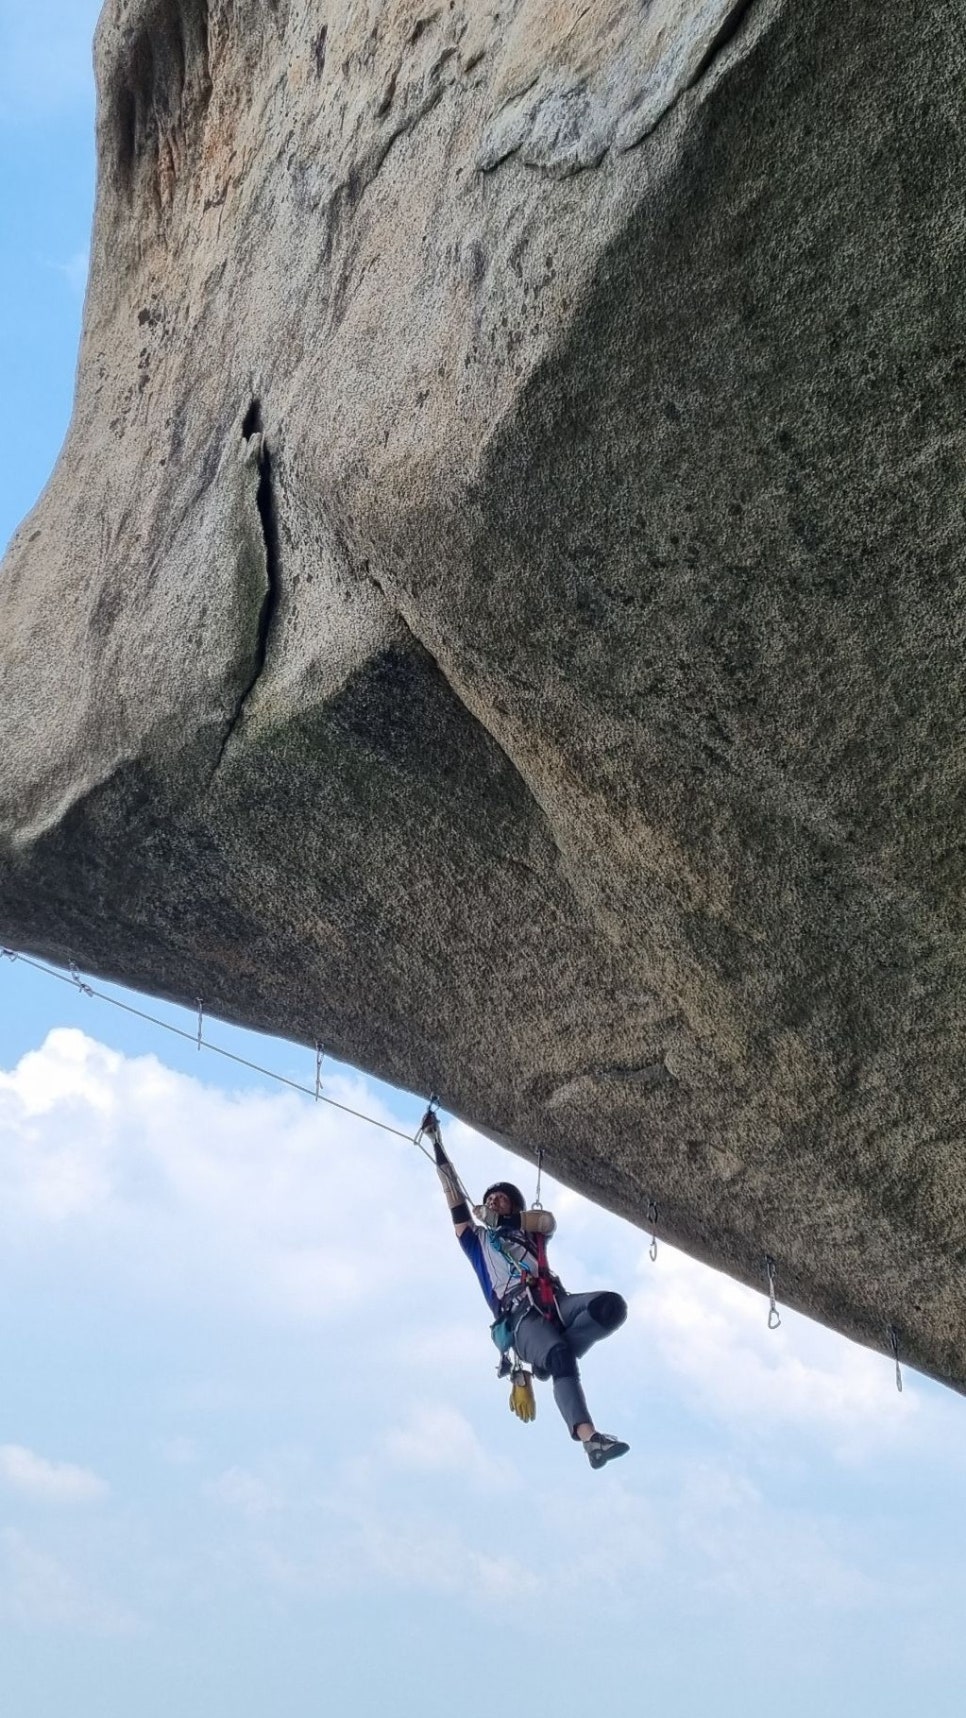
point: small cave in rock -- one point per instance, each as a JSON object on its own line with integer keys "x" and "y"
{"x": 159, "y": 89}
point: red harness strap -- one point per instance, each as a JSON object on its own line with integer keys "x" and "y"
{"x": 543, "y": 1289}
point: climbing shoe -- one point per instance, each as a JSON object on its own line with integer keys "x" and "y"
{"x": 602, "y": 1448}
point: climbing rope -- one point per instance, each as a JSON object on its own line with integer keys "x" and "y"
{"x": 73, "y": 978}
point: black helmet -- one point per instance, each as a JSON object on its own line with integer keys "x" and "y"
{"x": 513, "y": 1194}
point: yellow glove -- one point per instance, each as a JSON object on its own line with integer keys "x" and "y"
{"x": 522, "y": 1401}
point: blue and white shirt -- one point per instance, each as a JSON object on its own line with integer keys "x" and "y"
{"x": 501, "y": 1258}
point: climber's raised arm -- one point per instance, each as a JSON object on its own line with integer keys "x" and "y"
{"x": 450, "y": 1181}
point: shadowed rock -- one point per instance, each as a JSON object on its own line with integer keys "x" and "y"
{"x": 500, "y": 605}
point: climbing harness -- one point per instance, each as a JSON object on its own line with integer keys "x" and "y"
{"x": 539, "y": 1289}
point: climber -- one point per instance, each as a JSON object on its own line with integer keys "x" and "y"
{"x": 548, "y": 1329}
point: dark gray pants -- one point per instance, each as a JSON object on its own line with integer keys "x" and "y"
{"x": 554, "y": 1347}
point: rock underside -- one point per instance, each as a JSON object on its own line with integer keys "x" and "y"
{"x": 500, "y": 605}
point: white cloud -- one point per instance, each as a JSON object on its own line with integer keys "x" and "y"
{"x": 502, "y": 1580}
{"x": 258, "y": 1207}
{"x": 179, "y": 1451}
{"x": 51, "y": 1482}
{"x": 741, "y": 1548}
{"x": 698, "y": 1528}
{"x": 41, "y": 1590}
{"x": 611, "y": 1534}
{"x": 186, "y": 1192}
{"x": 244, "y": 1492}
{"x": 412, "y": 1548}
{"x": 711, "y": 1334}
{"x": 75, "y": 271}
{"x": 448, "y": 1347}
{"x": 435, "y": 1438}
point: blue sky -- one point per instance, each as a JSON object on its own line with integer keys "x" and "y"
{"x": 253, "y": 1455}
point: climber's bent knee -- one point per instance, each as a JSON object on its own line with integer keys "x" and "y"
{"x": 608, "y": 1310}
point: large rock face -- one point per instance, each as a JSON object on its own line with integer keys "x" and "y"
{"x": 500, "y": 607}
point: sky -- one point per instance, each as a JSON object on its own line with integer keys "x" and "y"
{"x": 254, "y": 1458}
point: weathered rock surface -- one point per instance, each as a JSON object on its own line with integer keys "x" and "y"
{"x": 500, "y": 606}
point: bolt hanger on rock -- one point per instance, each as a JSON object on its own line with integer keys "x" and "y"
{"x": 774, "y": 1316}
{"x": 894, "y": 1345}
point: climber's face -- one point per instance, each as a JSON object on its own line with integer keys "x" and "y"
{"x": 499, "y": 1204}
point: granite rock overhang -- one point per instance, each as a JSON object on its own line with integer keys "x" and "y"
{"x": 500, "y": 605}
